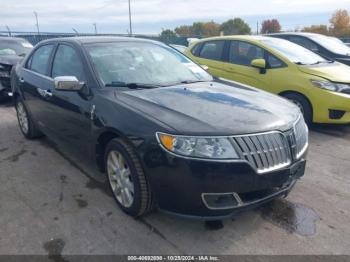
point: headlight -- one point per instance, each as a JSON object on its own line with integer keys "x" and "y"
{"x": 335, "y": 87}
{"x": 198, "y": 147}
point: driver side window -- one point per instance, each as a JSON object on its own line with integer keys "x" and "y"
{"x": 304, "y": 42}
{"x": 243, "y": 53}
{"x": 67, "y": 63}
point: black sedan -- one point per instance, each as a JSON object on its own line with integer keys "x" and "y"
{"x": 165, "y": 132}
{"x": 12, "y": 50}
{"x": 330, "y": 48}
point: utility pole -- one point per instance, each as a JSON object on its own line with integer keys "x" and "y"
{"x": 257, "y": 27}
{"x": 37, "y": 22}
{"x": 8, "y": 30}
{"x": 130, "y": 25}
{"x": 95, "y": 26}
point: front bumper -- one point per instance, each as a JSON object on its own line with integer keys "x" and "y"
{"x": 180, "y": 185}
{"x": 325, "y": 102}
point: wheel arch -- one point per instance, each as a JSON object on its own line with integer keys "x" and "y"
{"x": 300, "y": 94}
{"x": 102, "y": 140}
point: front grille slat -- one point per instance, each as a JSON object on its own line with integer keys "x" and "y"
{"x": 245, "y": 151}
{"x": 267, "y": 154}
{"x": 272, "y": 151}
{"x": 254, "y": 152}
{"x": 260, "y": 149}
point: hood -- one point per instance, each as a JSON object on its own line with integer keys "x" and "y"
{"x": 10, "y": 59}
{"x": 213, "y": 108}
{"x": 335, "y": 72}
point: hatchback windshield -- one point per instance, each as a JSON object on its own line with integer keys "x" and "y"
{"x": 10, "y": 47}
{"x": 295, "y": 53}
{"x": 331, "y": 43}
{"x": 143, "y": 63}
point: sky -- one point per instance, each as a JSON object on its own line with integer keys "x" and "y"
{"x": 150, "y": 16}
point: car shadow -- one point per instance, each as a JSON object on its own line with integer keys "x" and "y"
{"x": 342, "y": 131}
{"x": 7, "y": 102}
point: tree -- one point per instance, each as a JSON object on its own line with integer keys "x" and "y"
{"x": 167, "y": 36}
{"x": 340, "y": 23}
{"x": 184, "y": 30}
{"x": 211, "y": 29}
{"x": 200, "y": 29}
{"x": 235, "y": 27}
{"x": 318, "y": 29}
{"x": 270, "y": 26}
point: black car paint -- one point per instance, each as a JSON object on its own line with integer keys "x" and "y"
{"x": 89, "y": 118}
{"x": 322, "y": 51}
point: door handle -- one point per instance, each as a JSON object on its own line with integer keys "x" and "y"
{"x": 44, "y": 93}
{"x": 21, "y": 80}
{"x": 48, "y": 93}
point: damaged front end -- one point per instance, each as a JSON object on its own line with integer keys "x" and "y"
{"x": 5, "y": 78}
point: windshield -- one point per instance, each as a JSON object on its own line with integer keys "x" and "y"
{"x": 143, "y": 63}
{"x": 10, "y": 47}
{"x": 331, "y": 43}
{"x": 293, "y": 52}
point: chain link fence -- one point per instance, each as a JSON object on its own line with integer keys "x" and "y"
{"x": 34, "y": 37}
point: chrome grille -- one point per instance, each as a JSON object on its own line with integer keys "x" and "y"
{"x": 264, "y": 152}
{"x": 299, "y": 138}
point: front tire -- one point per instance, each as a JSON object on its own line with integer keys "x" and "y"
{"x": 127, "y": 179}
{"x": 26, "y": 124}
{"x": 303, "y": 105}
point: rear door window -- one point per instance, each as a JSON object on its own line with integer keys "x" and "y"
{"x": 39, "y": 62}
{"x": 213, "y": 50}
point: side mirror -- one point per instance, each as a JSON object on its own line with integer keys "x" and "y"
{"x": 206, "y": 68}
{"x": 259, "y": 63}
{"x": 68, "y": 83}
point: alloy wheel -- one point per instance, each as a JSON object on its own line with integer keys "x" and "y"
{"x": 22, "y": 118}
{"x": 119, "y": 176}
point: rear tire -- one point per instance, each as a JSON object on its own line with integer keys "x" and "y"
{"x": 303, "y": 105}
{"x": 127, "y": 180}
{"x": 26, "y": 124}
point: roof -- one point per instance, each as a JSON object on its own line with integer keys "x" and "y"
{"x": 97, "y": 39}
{"x": 238, "y": 37}
{"x": 294, "y": 33}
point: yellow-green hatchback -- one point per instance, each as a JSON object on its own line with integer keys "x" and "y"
{"x": 321, "y": 88}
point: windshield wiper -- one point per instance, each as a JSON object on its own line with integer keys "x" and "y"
{"x": 131, "y": 85}
{"x": 324, "y": 61}
{"x": 191, "y": 82}
{"x": 300, "y": 63}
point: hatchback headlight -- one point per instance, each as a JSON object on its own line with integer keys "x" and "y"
{"x": 198, "y": 147}
{"x": 335, "y": 87}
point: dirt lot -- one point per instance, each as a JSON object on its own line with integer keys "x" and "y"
{"x": 48, "y": 205}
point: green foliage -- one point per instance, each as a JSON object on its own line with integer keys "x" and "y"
{"x": 235, "y": 27}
